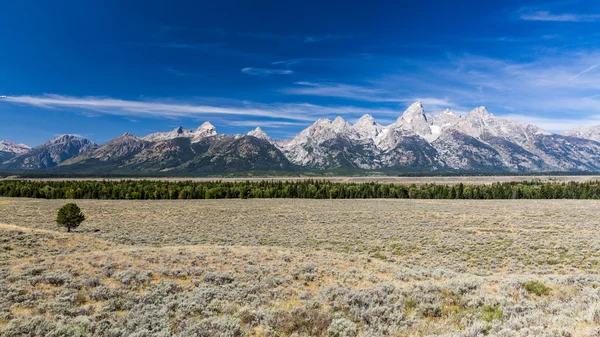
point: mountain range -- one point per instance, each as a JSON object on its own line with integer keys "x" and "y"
{"x": 415, "y": 142}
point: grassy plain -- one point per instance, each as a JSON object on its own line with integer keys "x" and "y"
{"x": 468, "y": 180}
{"x": 302, "y": 268}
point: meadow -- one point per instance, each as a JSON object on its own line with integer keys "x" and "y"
{"x": 302, "y": 267}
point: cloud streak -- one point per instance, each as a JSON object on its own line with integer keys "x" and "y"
{"x": 585, "y": 71}
{"x": 292, "y": 112}
{"x": 340, "y": 90}
{"x": 366, "y": 94}
{"x": 564, "y": 17}
{"x": 265, "y": 72}
{"x": 149, "y": 109}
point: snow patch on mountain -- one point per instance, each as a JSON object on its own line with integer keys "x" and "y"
{"x": 203, "y": 131}
{"x": 260, "y": 134}
{"x": 591, "y": 133}
{"x": 12, "y": 147}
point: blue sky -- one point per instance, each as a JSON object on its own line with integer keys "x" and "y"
{"x": 102, "y": 68}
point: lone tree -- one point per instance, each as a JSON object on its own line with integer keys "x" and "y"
{"x": 70, "y": 216}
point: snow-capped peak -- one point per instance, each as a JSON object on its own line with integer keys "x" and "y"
{"x": 12, "y": 147}
{"x": 591, "y": 132}
{"x": 366, "y": 119}
{"x": 208, "y": 128}
{"x": 480, "y": 112}
{"x": 62, "y": 139}
{"x": 204, "y": 130}
{"x": 448, "y": 112}
{"x": 415, "y": 112}
{"x": 367, "y": 127}
{"x": 338, "y": 121}
{"x": 413, "y": 120}
{"x": 259, "y": 133}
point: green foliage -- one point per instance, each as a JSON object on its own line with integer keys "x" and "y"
{"x": 70, "y": 216}
{"x": 492, "y": 313}
{"x": 536, "y": 287}
{"x": 303, "y": 189}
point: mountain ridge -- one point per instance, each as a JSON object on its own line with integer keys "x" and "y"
{"x": 416, "y": 140}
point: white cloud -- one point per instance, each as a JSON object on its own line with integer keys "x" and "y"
{"x": 339, "y": 90}
{"x": 265, "y": 124}
{"x": 151, "y": 108}
{"x": 265, "y": 72}
{"x": 368, "y": 94}
{"x": 563, "y": 17}
{"x": 171, "y": 109}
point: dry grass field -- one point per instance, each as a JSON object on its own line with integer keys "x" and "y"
{"x": 467, "y": 180}
{"x": 284, "y": 267}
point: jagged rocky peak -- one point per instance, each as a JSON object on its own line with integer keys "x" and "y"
{"x": 322, "y": 122}
{"x": 591, "y": 132}
{"x": 66, "y": 139}
{"x": 367, "y": 127}
{"x": 365, "y": 120}
{"x": 12, "y": 147}
{"x": 414, "y": 113}
{"x": 414, "y": 120}
{"x": 480, "y": 112}
{"x": 62, "y": 139}
{"x": 259, "y": 133}
{"x": 128, "y": 135}
{"x": 204, "y": 130}
{"x": 207, "y": 128}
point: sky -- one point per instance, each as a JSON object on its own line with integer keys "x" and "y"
{"x": 102, "y": 68}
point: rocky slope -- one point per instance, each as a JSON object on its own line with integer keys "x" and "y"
{"x": 478, "y": 141}
{"x": 50, "y": 154}
{"x": 183, "y": 152}
{"x": 416, "y": 141}
{"x": 12, "y": 147}
{"x": 591, "y": 133}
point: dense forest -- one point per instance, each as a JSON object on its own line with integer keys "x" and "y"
{"x": 307, "y": 189}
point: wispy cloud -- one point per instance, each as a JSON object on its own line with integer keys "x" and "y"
{"x": 299, "y": 38}
{"x": 194, "y": 46}
{"x": 149, "y": 108}
{"x": 292, "y": 62}
{"x": 555, "y": 124}
{"x": 550, "y": 91}
{"x": 265, "y": 124}
{"x": 584, "y": 71}
{"x": 371, "y": 93}
{"x": 562, "y": 17}
{"x": 328, "y": 37}
{"x": 292, "y": 112}
{"x": 175, "y": 72}
{"x": 265, "y": 72}
{"x": 354, "y": 92}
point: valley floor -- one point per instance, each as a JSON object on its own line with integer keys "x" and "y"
{"x": 302, "y": 268}
{"x": 362, "y": 179}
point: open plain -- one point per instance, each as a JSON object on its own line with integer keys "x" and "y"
{"x": 385, "y": 179}
{"x": 283, "y": 267}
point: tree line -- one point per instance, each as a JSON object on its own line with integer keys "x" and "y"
{"x": 303, "y": 189}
